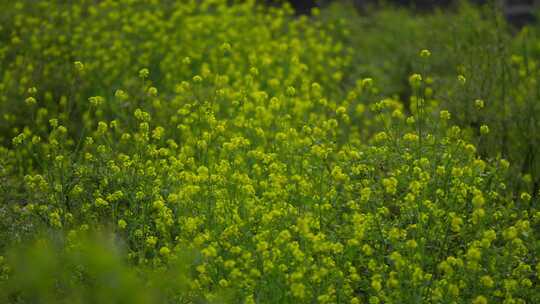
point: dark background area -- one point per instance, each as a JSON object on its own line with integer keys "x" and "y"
{"x": 518, "y": 12}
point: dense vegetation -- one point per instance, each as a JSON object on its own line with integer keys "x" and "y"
{"x": 209, "y": 151}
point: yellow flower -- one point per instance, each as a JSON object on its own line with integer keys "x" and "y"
{"x": 425, "y": 53}
{"x": 453, "y": 290}
{"x": 164, "y": 251}
{"x": 298, "y": 290}
{"x": 445, "y": 115}
{"x": 96, "y": 100}
{"x": 456, "y": 223}
{"x": 484, "y": 129}
{"x": 144, "y": 73}
{"x": 102, "y": 128}
{"x": 487, "y": 281}
{"x": 510, "y": 233}
{"x": 526, "y": 197}
{"x": 152, "y": 91}
{"x": 365, "y": 194}
{"x": 223, "y": 283}
{"x": 197, "y": 79}
{"x": 461, "y": 79}
{"x": 478, "y": 200}
{"x": 390, "y": 185}
{"x": 376, "y": 285}
{"x": 79, "y": 66}
{"x": 415, "y": 80}
{"x": 474, "y": 254}
{"x": 100, "y": 202}
{"x": 151, "y": 241}
{"x": 479, "y": 103}
{"x": 30, "y": 101}
{"x": 412, "y": 244}
{"x": 480, "y": 300}
{"x": 291, "y": 91}
{"x": 225, "y": 47}
{"x": 367, "y": 83}
{"x": 122, "y": 224}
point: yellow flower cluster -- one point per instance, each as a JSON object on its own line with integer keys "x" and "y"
{"x": 225, "y": 130}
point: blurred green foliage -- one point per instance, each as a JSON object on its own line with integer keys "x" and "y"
{"x": 85, "y": 268}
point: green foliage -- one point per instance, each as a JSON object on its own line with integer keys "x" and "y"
{"x": 237, "y": 153}
{"x": 500, "y": 66}
{"x": 83, "y": 269}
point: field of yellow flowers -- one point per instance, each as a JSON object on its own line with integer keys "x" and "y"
{"x": 219, "y": 151}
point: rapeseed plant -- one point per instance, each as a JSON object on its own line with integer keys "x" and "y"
{"x": 235, "y": 138}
